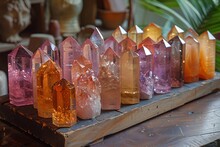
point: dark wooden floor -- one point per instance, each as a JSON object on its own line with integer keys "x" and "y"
{"x": 194, "y": 124}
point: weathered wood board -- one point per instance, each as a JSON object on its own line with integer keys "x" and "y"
{"x": 109, "y": 122}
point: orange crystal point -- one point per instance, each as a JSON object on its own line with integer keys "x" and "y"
{"x": 191, "y": 67}
{"x": 129, "y": 75}
{"x": 127, "y": 44}
{"x": 48, "y": 74}
{"x": 192, "y": 33}
{"x": 135, "y": 33}
{"x": 119, "y": 34}
{"x": 148, "y": 43}
{"x": 175, "y": 31}
{"x": 153, "y": 31}
{"x": 64, "y": 104}
{"x": 207, "y": 46}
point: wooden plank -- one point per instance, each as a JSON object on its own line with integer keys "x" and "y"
{"x": 109, "y": 122}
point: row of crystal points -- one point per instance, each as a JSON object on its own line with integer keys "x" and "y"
{"x": 80, "y": 80}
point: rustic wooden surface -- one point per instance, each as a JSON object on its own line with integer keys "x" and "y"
{"x": 194, "y": 124}
{"x": 108, "y": 122}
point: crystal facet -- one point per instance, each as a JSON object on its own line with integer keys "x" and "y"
{"x": 109, "y": 80}
{"x": 88, "y": 90}
{"x": 19, "y": 75}
{"x": 207, "y": 45}
{"x": 162, "y": 81}
{"x": 38, "y": 59}
{"x": 146, "y": 75}
{"x": 48, "y": 74}
{"x": 126, "y": 45}
{"x": 175, "y": 31}
{"x": 90, "y": 51}
{"x": 64, "y": 104}
{"x": 191, "y": 67}
{"x": 129, "y": 75}
{"x": 69, "y": 51}
{"x": 119, "y": 34}
{"x": 52, "y": 51}
{"x": 135, "y": 33}
{"x": 110, "y": 42}
{"x": 97, "y": 38}
{"x": 177, "y": 61}
{"x": 153, "y": 31}
{"x": 192, "y": 33}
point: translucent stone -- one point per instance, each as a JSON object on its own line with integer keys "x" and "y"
{"x": 146, "y": 73}
{"x": 38, "y": 59}
{"x": 52, "y": 51}
{"x": 110, "y": 42}
{"x": 207, "y": 47}
{"x": 90, "y": 51}
{"x": 109, "y": 80}
{"x": 19, "y": 76}
{"x": 88, "y": 90}
{"x": 80, "y": 66}
{"x": 48, "y": 74}
{"x": 177, "y": 61}
{"x": 135, "y": 33}
{"x": 119, "y": 34}
{"x": 69, "y": 51}
{"x": 129, "y": 75}
{"x": 153, "y": 31}
{"x": 126, "y": 45}
{"x": 98, "y": 39}
{"x": 191, "y": 67}
{"x": 162, "y": 80}
{"x": 160, "y": 38}
{"x": 192, "y": 33}
{"x": 175, "y": 31}
{"x": 64, "y": 104}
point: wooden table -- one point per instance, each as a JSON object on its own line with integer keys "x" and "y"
{"x": 194, "y": 124}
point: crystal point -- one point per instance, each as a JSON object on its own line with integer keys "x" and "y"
{"x": 153, "y": 31}
{"x": 19, "y": 75}
{"x": 191, "y": 67}
{"x": 135, "y": 33}
{"x": 177, "y": 61}
{"x": 69, "y": 51}
{"x": 175, "y": 31}
{"x": 97, "y": 38}
{"x": 207, "y": 45}
{"x": 129, "y": 75}
{"x": 48, "y": 74}
{"x": 126, "y": 45}
{"x": 162, "y": 81}
{"x": 110, "y": 42}
{"x": 146, "y": 75}
{"x": 109, "y": 80}
{"x": 119, "y": 34}
{"x": 64, "y": 104}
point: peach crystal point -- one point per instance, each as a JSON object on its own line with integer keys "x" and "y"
{"x": 119, "y": 34}
{"x": 153, "y": 31}
{"x": 126, "y": 45}
{"x": 175, "y": 31}
{"x": 207, "y": 46}
{"x": 135, "y": 33}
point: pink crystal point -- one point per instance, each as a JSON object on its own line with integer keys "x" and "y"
{"x": 126, "y": 45}
{"x": 162, "y": 80}
{"x": 52, "y": 51}
{"x": 146, "y": 75}
{"x": 97, "y": 38}
{"x": 19, "y": 75}
{"x": 38, "y": 58}
{"x": 109, "y": 80}
{"x": 80, "y": 66}
{"x": 110, "y": 42}
{"x": 129, "y": 76}
{"x": 69, "y": 51}
{"x": 191, "y": 66}
{"x": 90, "y": 51}
{"x": 207, "y": 51}
{"x": 48, "y": 74}
{"x": 119, "y": 34}
{"x": 135, "y": 33}
{"x": 88, "y": 90}
{"x": 177, "y": 61}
